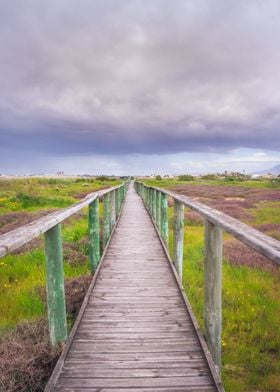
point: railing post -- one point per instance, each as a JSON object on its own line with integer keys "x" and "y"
{"x": 118, "y": 206}
{"x": 158, "y": 209}
{"x": 106, "y": 219}
{"x": 154, "y": 212}
{"x": 94, "y": 234}
{"x": 178, "y": 236}
{"x": 112, "y": 210}
{"x": 55, "y": 285}
{"x": 213, "y": 289}
{"x": 164, "y": 219}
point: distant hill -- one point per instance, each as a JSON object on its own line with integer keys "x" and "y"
{"x": 275, "y": 170}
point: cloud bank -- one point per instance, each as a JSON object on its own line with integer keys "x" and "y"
{"x": 137, "y": 77}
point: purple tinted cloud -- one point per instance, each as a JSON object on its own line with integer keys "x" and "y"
{"x": 139, "y": 77}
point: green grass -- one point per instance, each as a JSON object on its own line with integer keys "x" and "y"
{"x": 267, "y": 213}
{"x": 32, "y": 194}
{"x": 22, "y": 276}
{"x": 251, "y": 329}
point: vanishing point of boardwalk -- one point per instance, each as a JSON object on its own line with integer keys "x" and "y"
{"x": 135, "y": 333}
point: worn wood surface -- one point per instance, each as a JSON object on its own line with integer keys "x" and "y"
{"x": 213, "y": 289}
{"x": 94, "y": 234}
{"x": 55, "y": 285}
{"x": 135, "y": 333}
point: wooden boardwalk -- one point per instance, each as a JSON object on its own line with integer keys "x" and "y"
{"x": 135, "y": 332}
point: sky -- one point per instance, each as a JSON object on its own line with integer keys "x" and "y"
{"x": 139, "y": 87}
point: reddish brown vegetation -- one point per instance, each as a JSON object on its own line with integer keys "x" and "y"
{"x": 239, "y": 254}
{"x": 232, "y": 200}
{"x": 26, "y": 358}
{"x": 193, "y": 218}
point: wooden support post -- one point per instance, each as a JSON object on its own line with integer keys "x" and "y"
{"x": 158, "y": 209}
{"x": 178, "y": 236}
{"x": 55, "y": 285}
{"x": 118, "y": 204}
{"x": 94, "y": 234}
{"x": 164, "y": 219}
{"x": 112, "y": 210}
{"x": 154, "y": 212}
{"x": 106, "y": 219}
{"x": 213, "y": 289}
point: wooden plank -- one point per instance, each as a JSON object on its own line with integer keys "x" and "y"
{"x": 134, "y": 382}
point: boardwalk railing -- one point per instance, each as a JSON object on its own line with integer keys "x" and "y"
{"x": 50, "y": 226}
{"x": 156, "y": 202}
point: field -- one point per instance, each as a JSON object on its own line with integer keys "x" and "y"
{"x": 251, "y": 302}
{"x": 251, "y": 283}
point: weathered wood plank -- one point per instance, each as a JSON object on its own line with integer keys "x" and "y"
{"x": 213, "y": 289}
{"x": 55, "y": 285}
{"x": 94, "y": 233}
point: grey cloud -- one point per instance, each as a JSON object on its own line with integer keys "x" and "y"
{"x": 139, "y": 77}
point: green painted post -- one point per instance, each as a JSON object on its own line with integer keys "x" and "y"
{"x": 158, "y": 209}
{"x": 112, "y": 210}
{"x": 94, "y": 233}
{"x": 164, "y": 219}
{"x": 178, "y": 236}
{"x": 145, "y": 195}
{"x": 213, "y": 289}
{"x": 106, "y": 219}
{"x": 154, "y": 204}
{"x": 117, "y": 202}
{"x": 55, "y": 285}
{"x": 151, "y": 200}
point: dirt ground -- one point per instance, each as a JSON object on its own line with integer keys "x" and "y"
{"x": 26, "y": 358}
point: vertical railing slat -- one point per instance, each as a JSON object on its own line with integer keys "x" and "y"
{"x": 158, "y": 209}
{"x": 164, "y": 219}
{"x": 55, "y": 285}
{"x": 106, "y": 219}
{"x": 213, "y": 289}
{"x": 94, "y": 235}
{"x": 112, "y": 210}
{"x": 178, "y": 236}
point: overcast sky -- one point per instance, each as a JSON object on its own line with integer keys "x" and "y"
{"x": 132, "y": 86}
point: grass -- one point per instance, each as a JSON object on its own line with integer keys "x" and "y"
{"x": 256, "y": 183}
{"x": 22, "y": 275}
{"x": 251, "y": 303}
{"x": 33, "y": 194}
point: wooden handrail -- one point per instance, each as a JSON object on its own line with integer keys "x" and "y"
{"x": 262, "y": 243}
{"x": 50, "y": 226}
{"x": 155, "y": 200}
{"x": 16, "y": 238}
